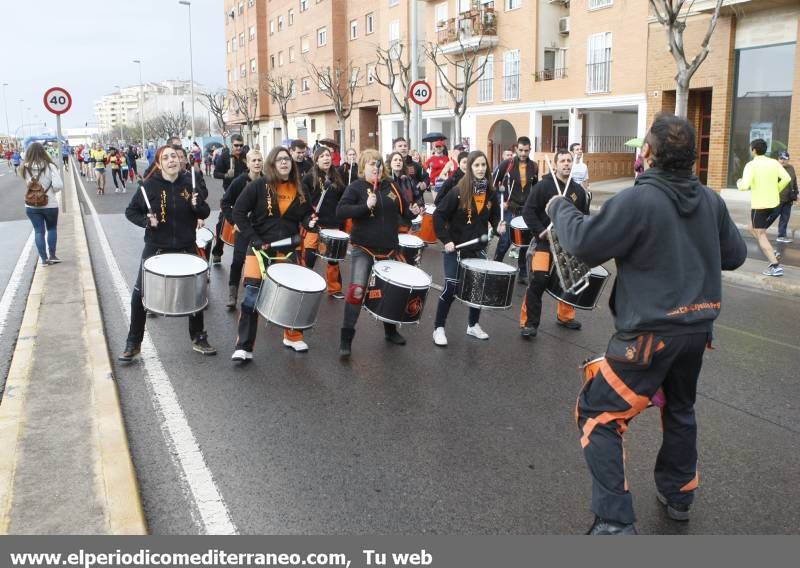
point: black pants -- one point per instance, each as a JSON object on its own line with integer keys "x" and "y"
{"x": 117, "y": 174}
{"x": 138, "y": 315}
{"x": 619, "y": 386}
{"x": 239, "y": 254}
{"x": 219, "y": 246}
{"x": 451, "y": 261}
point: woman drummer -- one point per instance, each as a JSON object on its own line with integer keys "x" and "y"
{"x": 376, "y": 207}
{"x": 462, "y": 215}
{"x": 271, "y": 208}
{"x": 405, "y": 184}
{"x": 324, "y": 177}
{"x": 169, "y": 228}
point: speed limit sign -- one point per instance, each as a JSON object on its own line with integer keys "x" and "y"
{"x": 57, "y": 100}
{"x": 419, "y": 92}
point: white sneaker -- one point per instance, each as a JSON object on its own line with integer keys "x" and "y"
{"x": 476, "y": 331}
{"x": 299, "y": 346}
{"x": 439, "y": 337}
{"x": 116, "y": 190}
{"x": 242, "y": 355}
{"x": 783, "y": 240}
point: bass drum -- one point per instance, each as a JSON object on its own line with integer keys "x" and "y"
{"x": 228, "y": 233}
{"x": 485, "y": 284}
{"x": 203, "y": 237}
{"x": 410, "y": 246}
{"x": 587, "y": 298}
{"x": 396, "y": 292}
{"x": 521, "y": 235}
{"x": 175, "y": 284}
{"x": 332, "y": 244}
{"x": 427, "y": 232}
{"x": 290, "y": 296}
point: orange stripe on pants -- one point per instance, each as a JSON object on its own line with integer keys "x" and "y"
{"x": 564, "y": 312}
{"x": 251, "y": 267}
{"x": 332, "y": 278}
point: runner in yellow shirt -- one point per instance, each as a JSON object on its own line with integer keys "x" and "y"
{"x": 100, "y": 158}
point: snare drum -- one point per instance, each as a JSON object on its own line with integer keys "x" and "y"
{"x": 203, "y": 237}
{"x": 396, "y": 292}
{"x": 175, "y": 284}
{"x": 228, "y": 233}
{"x": 585, "y": 299}
{"x": 426, "y": 232}
{"x": 485, "y": 284}
{"x": 410, "y": 247}
{"x": 290, "y": 296}
{"x": 332, "y": 244}
{"x": 521, "y": 235}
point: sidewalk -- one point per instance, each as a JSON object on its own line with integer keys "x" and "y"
{"x": 738, "y": 203}
{"x": 65, "y": 467}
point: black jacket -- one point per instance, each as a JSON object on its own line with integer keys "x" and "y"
{"x": 327, "y": 209}
{"x": 451, "y": 221}
{"x": 344, "y": 172}
{"x": 378, "y": 233}
{"x": 251, "y": 214}
{"x": 448, "y": 184}
{"x": 232, "y": 194}
{"x": 790, "y": 192}
{"x": 172, "y": 205}
{"x": 222, "y": 164}
{"x": 534, "y": 214}
{"x": 517, "y": 193}
{"x": 416, "y": 171}
{"x": 305, "y": 166}
{"x": 670, "y": 237}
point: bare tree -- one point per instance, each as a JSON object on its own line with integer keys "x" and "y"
{"x": 395, "y": 75}
{"x": 672, "y": 14}
{"x": 281, "y": 89}
{"x": 245, "y": 104}
{"x": 217, "y": 104}
{"x": 470, "y": 67}
{"x": 166, "y": 124}
{"x": 340, "y": 84}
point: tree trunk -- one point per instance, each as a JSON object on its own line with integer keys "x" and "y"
{"x": 682, "y": 95}
{"x": 343, "y": 140}
{"x": 285, "y": 124}
{"x": 457, "y": 134}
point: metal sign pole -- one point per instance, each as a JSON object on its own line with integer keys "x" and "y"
{"x": 61, "y": 160}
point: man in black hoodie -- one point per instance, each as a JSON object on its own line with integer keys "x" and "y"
{"x": 670, "y": 237}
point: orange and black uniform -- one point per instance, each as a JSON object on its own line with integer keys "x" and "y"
{"x": 314, "y": 186}
{"x": 265, "y": 214}
{"x": 518, "y": 178}
{"x": 411, "y": 194}
{"x": 538, "y": 255}
{"x": 222, "y": 165}
{"x": 226, "y": 210}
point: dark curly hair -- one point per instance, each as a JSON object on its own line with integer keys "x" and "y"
{"x": 672, "y": 143}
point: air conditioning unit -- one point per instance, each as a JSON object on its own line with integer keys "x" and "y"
{"x": 563, "y": 25}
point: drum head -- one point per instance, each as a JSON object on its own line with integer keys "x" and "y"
{"x": 335, "y": 234}
{"x": 599, "y": 271}
{"x": 401, "y": 274}
{"x": 175, "y": 264}
{"x": 518, "y": 223}
{"x": 489, "y": 266}
{"x": 410, "y": 241}
{"x": 296, "y": 277}
{"x": 204, "y": 236}
{"x": 429, "y": 209}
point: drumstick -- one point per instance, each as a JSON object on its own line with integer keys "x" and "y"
{"x": 483, "y": 239}
{"x": 144, "y": 194}
{"x": 194, "y": 188}
{"x": 287, "y": 242}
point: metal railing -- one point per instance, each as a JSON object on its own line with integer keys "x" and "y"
{"x": 550, "y": 74}
{"x": 598, "y": 77}
{"x": 467, "y": 25}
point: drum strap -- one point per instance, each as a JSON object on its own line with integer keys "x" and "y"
{"x": 262, "y": 256}
{"x": 376, "y": 256}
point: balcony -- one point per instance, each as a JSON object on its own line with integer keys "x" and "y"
{"x": 550, "y": 74}
{"x": 475, "y": 29}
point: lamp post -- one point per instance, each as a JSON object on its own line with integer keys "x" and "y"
{"x": 141, "y": 101}
{"x": 22, "y": 116}
{"x": 119, "y": 116}
{"x": 188, "y": 4}
{"x": 5, "y": 108}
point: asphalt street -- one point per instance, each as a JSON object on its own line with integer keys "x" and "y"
{"x": 475, "y": 438}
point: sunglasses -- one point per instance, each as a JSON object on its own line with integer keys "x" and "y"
{"x": 238, "y": 145}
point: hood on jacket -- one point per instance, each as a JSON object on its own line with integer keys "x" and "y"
{"x": 683, "y": 188}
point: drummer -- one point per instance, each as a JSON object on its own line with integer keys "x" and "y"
{"x": 348, "y": 171}
{"x": 376, "y": 207}
{"x": 323, "y": 176}
{"x": 402, "y": 182}
{"x": 269, "y": 209}
{"x": 255, "y": 165}
{"x": 538, "y": 257}
{"x": 170, "y": 228}
{"x": 462, "y": 215}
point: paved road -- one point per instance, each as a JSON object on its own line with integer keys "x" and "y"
{"x": 475, "y": 438}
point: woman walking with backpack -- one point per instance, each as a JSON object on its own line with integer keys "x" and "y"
{"x": 43, "y": 183}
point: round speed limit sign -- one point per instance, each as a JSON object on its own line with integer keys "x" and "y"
{"x": 420, "y": 92}
{"x": 57, "y": 100}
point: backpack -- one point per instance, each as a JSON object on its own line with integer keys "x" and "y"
{"x": 36, "y": 195}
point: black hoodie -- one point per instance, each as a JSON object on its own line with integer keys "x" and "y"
{"x": 670, "y": 237}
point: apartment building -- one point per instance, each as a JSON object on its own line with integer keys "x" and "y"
{"x": 748, "y": 87}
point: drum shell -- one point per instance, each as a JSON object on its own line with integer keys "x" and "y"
{"x": 427, "y": 232}
{"x": 332, "y": 248}
{"x": 585, "y": 300}
{"x": 285, "y": 307}
{"x": 203, "y": 237}
{"x": 521, "y": 236}
{"x": 174, "y": 295}
{"x": 485, "y": 290}
{"x": 228, "y": 233}
{"x": 410, "y": 252}
{"x": 394, "y": 303}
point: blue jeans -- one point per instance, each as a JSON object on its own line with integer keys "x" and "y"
{"x": 44, "y": 220}
{"x": 784, "y": 210}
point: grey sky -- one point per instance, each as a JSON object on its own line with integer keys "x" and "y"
{"x": 88, "y": 47}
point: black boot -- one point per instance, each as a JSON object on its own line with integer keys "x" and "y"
{"x": 346, "y": 341}
{"x": 233, "y": 295}
{"x": 605, "y": 527}
{"x": 392, "y": 335}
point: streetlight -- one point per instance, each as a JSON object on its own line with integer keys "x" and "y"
{"x": 141, "y": 101}
{"x": 191, "y": 64}
{"x": 22, "y": 117}
{"x": 5, "y": 107}
{"x": 119, "y": 119}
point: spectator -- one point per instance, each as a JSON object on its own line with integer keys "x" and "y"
{"x": 39, "y": 168}
{"x": 788, "y": 198}
{"x": 580, "y": 171}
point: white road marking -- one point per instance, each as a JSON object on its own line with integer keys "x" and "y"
{"x": 14, "y": 281}
{"x": 199, "y": 483}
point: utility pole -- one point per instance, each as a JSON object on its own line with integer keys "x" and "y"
{"x": 191, "y": 63}
{"x": 141, "y": 103}
{"x": 415, "y": 127}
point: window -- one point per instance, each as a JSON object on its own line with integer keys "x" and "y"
{"x": 272, "y": 61}
{"x": 251, "y": 3}
{"x": 303, "y": 5}
{"x": 441, "y": 94}
{"x": 513, "y": 4}
{"x": 242, "y": 70}
{"x": 305, "y": 85}
{"x": 241, "y": 39}
{"x": 353, "y": 29}
{"x": 228, "y": 46}
{"x": 394, "y": 37}
{"x": 441, "y": 16}
{"x": 280, "y": 23}
{"x": 241, "y": 7}
{"x": 291, "y": 17}
{"x": 322, "y": 37}
{"x": 355, "y": 73}
{"x": 370, "y": 74}
{"x": 230, "y": 76}
{"x": 595, "y": 4}
{"x": 252, "y": 66}
{"x": 291, "y": 54}
{"x": 280, "y": 59}
{"x": 304, "y": 45}
{"x": 370, "y": 23}
{"x": 252, "y": 33}
{"x": 511, "y": 75}
{"x": 486, "y": 82}
{"x": 598, "y": 63}
{"x": 393, "y": 3}
{"x": 292, "y": 91}
{"x": 271, "y": 27}
{"x": 464, "y": 6}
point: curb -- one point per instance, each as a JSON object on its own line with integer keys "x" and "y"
{"x": 763, "y": 283}
{"x": 114, "y": 466}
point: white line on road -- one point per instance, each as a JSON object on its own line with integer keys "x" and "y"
{"x": 199, "y": 483}
{"x": 13, "y": 283}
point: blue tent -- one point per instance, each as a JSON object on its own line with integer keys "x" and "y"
{"x": 42, "y": 139}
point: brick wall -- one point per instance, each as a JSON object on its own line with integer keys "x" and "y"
{"x": 794, "y": 126}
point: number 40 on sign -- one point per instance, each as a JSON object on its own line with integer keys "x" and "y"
{"x": 419, "y": 92}
{"x": 57, "y": 100}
